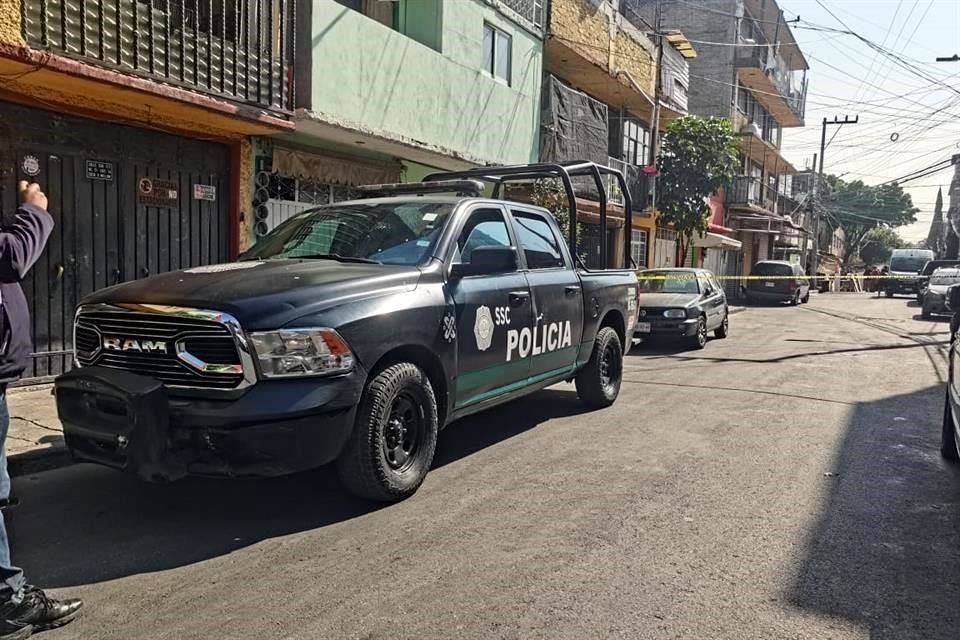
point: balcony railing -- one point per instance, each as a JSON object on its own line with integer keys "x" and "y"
{"x": 530, "y": 10}
{"x": 790, "y": 84}
{"x": 751, "y": 191}
{"x": 238, "y": 49}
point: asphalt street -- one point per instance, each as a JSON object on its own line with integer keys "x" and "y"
{"x": 782, "y": 483}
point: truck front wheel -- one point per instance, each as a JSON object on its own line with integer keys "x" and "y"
{"x": 394, "y": 438}
{"x": 598, "y": 383}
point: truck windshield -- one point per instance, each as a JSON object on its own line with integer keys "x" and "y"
{"x": 401, "y": 233}
{"x": 906, "y": 264}
{"x": 668, "y": 282}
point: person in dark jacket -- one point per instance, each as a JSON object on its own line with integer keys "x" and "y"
{"x": 24, "y": 608}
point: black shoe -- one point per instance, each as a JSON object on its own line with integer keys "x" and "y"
{"x": 14, "y": 630}
{"x": 40, "y": 611}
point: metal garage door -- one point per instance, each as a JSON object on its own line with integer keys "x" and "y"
{"x": 128, "y": 203}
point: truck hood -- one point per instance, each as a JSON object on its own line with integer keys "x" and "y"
{"x": 665, "y": 299}
{"x": 264, "y": 294}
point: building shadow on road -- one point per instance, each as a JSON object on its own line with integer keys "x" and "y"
{"x": 85, "y": 524}
{"x": 885, "y": 551}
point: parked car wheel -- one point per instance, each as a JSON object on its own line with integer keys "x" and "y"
{"x": 805, "y": 299}
{"x": 598, "y": 383}
{"x": 889, "y": 293}
{"x": 724, "y": 329}
{"x": 925, "y": 313}
{"x": 699, "y": 339}
{"x": 394, "y": 438}
{"x": 949, "y": 447}
{"x": 795, "y": 300}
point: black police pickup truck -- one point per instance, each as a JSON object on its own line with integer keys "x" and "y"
{"x": 352, "y": 332}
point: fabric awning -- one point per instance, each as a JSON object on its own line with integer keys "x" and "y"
{"x": 333, "y": 169}
{"x": 716, "y": 241}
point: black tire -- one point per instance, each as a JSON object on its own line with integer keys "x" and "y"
{"x": 598, "y": 383}
{"x": 925, "y": 313}
{"x": 394, "y": 436}
{"x": 795, "y": 300}
{"x": 948, "y": 441}
{"x": 888, "y": 293}
{"x": 805, "y": 299}
{"x": 724, "y": 329}
{"x": 699, "y": 339}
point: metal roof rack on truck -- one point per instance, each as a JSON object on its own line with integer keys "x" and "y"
{"x": 458, "y": 187}
{"x": 564, "y": 171}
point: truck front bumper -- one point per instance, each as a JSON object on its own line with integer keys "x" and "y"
{"x": 137, "y": 424}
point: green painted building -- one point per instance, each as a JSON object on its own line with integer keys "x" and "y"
{"x": 388, "y": 90}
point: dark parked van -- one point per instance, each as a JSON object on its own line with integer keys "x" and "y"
{"x": 777, "y": 281}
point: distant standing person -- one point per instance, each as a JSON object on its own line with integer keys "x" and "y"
{"x": 24, "y": 609}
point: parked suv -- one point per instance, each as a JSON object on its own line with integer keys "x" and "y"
{"x": 924, "y": 278}
{"x": 934, "y": 295}
{"x": 777, "y": 281}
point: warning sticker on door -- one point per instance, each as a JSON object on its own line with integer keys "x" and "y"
{"x": 204, "y": 192}
{"x": 157, "y": 193}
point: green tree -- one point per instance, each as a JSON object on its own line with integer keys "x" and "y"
{"x": 858, "y": 208}
{"x": 699, "y": 156}
{"x": 878, "y": 244}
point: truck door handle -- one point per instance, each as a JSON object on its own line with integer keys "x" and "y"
{"x": 517, "y": 298}
{"x": 571, "y": 290}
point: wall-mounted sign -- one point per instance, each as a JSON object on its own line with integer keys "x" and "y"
{"x": 156, "y": 192}
{"x": 204, "y": 192}
{"x": 99, "y": 170}
{"x": 30, "y": 165}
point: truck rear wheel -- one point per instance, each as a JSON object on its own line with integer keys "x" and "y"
{"x": 598, "y": 383}
{"x": 394, "y": 437}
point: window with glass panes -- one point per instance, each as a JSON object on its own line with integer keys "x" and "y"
{"x": 638, "y": 247}
{"x": 629, "y": 139}
{"x": 497, "y": 52}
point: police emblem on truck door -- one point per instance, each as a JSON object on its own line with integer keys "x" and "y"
{"x": 483, "y": 328}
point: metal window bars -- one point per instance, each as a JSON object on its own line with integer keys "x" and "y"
{"x": 238, "y": 49}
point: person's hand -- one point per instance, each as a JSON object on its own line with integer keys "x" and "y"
{"x": 31, "y": 194}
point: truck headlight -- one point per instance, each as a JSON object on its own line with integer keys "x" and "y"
{"x": 301, "y": 352}
{"x": 675, "y": 313}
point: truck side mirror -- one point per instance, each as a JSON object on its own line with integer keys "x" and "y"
{"x": 953, "y": 298}
{"x": 486, "y": 260}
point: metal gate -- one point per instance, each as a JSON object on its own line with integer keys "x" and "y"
{"x": 128, "y": 203}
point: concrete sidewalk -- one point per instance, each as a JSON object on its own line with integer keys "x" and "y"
{"x": 35, "y": 439}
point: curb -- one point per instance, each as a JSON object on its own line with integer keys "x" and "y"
{"x": 733, "y": 310}
{"x": 38, "y": 460}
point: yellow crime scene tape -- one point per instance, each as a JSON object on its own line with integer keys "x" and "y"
{"x": 692, "y": 276}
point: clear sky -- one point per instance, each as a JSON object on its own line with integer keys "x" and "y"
{"x": 847, "y": 77}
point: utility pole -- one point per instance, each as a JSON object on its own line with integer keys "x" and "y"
{"x": 816, "y": 187}
{"x": 658, "y": 91}
{"x": 809, "y": 218}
